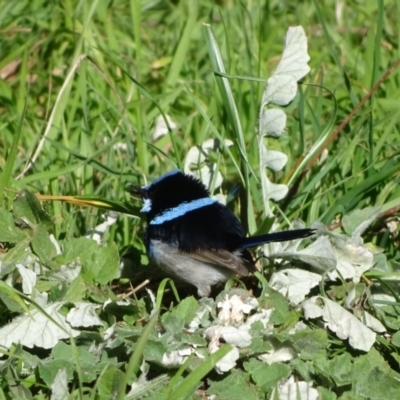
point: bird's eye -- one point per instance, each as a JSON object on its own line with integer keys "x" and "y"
{"x": 144, "y": 194}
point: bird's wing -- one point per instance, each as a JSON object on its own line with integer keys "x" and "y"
{"x": 224, "y": 259}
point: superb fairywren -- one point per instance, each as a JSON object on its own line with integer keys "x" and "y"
{"x": 194, "y": 237}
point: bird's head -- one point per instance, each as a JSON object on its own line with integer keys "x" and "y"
{"x": 170, "y": 192}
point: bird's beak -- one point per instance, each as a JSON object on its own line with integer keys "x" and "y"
{"x": 140, "y": 192}
{"x": 135, "y": 191}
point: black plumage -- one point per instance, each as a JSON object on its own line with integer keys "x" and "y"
{"x": 195, "y": 238}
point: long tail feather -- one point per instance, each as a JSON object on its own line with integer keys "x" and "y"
{"x": 277, "y": 237}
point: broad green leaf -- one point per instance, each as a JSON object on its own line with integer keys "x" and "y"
{"x": 235, "y": 386}
{"x": 186, "y": 310}
{"x": 20, "y": 253}
{"x": 374, "y": 379}
{"x": 12, "y": 298}
{"x": 49, "y": 370}
{"x": 311, "y": 344}
{"x": 76, "y": 248}
{"x": 339, "y": 369}
{"x": 109, "y": 384}
{"x": 8, "y": 231}
{"x": 265, "y": 375}
{"x": 396, "y": 339}
{"x": 172, "y": 324}
{"x": 99, "y": 263}
{"x": 27, "y": 207}
{"x": 76, "y": 290}
{"x": 278, "y": 303}
{"x": 105, "y": 264}
{"x": 43, "y": 247}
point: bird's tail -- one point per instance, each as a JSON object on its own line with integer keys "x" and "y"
{"x": 277, "y": 237}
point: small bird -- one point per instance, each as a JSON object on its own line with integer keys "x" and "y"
{"x": 193, "y": 237}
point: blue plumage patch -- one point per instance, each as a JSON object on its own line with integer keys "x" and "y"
{"x": 182, "y": 209}
{"x": 161, "y": 178}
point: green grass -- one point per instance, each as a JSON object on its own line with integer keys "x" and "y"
{"x": 82, "y": 85}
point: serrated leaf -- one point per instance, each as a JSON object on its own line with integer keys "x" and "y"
{"x": 326, "y": 394}
{"x": 84, "y": 315}
{"x": 272, "y": 190}
{"x": 37, "y": 329}
{"x": 202, "y": 313}
{"x": 340, "y": 321}
{"x": 108, "y": 258}
{"x": 282, "y": 86}
{"x": 28, "y": 279}
{"x": 352, "y": 260}
{"x": 272, "y": 122}
{"x": 319, "y": 254}
{"x": 294, "y": 283}
{"x": 281, "y": 89}
{"x": 274, "y": 160}
{"x": 258, "y": 345}
{"x": 296, "y": 390}
{"x": 372, "y": 322}
{"x": 62, "y": 355}
{"x": 59, "y": 388}
{"x": 154, "y": 350}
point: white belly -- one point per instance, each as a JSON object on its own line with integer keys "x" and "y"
{"x": 187, "y": 269}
